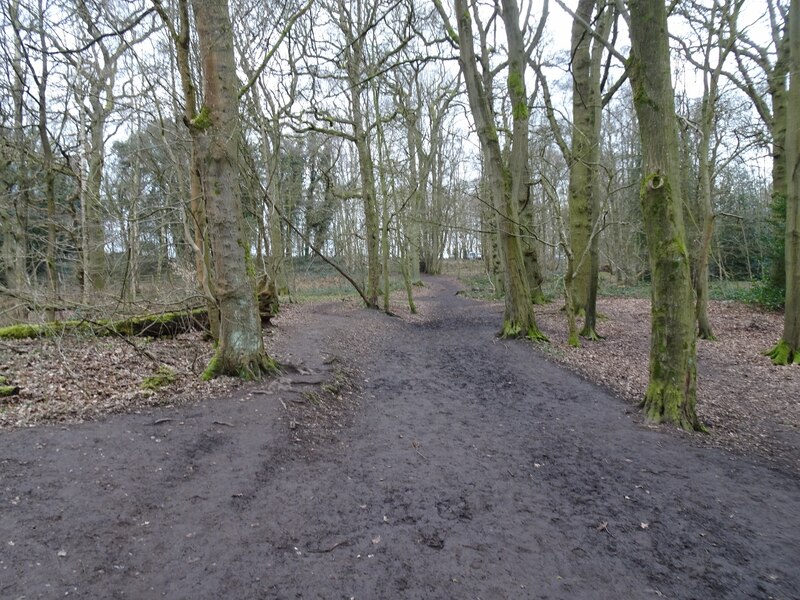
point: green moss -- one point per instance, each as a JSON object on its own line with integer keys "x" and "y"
{"x": 213, "y": 368}
{"x": 590, "y": 334}
{"x": 511, "y": 329}
{"x": 535, "y": 335}
{"x": 516, "y": 87}
{"x": 251, "y": 370}
{"x": 783, "y": 354}
{"x": 24, "y": 331}
{"x": 8, "y": 390}
{"x": 520, "y": 111}
{"x": 155, "y": 325}
{"x": 203, "y": 119}
{"x": 249, "y": 264}
{"x": 453, "y": 35}
{"x": 162, "y": 377}
{"x": 665, "y": 403}
{"x": 312, "y": 397}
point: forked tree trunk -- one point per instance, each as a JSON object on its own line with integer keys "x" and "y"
{"x": 215, "y": 136}
{"x": 518, "y": 318}
{"x": 671, "y": 392}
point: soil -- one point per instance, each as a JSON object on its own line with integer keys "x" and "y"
{"x": 412, "y": 457}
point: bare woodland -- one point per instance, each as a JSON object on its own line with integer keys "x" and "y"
{"x": 175, "y": 157}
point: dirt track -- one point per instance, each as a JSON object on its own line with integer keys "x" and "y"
{"x": 472, "y": 468}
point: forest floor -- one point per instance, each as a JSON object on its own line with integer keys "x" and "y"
{"x": 411, "y": 457}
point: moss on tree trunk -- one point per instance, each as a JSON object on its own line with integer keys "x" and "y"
{"x": 506, "y": 181}
{"x": 240, "y": 350}
{"x": 787, "y": 351}
{"x": 671, "y": 392}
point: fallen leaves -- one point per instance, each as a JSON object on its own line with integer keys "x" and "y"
{"x": 747, "y": 403}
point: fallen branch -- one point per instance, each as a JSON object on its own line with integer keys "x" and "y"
{"x": 154, "y": 326}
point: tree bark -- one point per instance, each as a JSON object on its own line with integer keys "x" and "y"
{"x": 518, "y": 319}
{"x": 787, "y": 350}
{"x": 518, "y": 160}
{"x": 355, "y": 62}
{"x": 584, "y": 156}
{"x": 671, "y": 392}
{"x": 583, "y": 141}
{"x": 215, "y": 136}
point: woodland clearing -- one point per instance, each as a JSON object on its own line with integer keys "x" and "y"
{"x": 400, "y": 457}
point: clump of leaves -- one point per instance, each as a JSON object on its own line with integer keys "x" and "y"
{"x": 162, "y": 377}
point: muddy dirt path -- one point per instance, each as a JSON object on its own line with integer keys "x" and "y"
{"x": 471, "y": 468}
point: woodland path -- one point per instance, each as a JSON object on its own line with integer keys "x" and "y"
{"x": 470, "y": 468}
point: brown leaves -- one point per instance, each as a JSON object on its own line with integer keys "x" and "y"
{"x": 745, "y": 401}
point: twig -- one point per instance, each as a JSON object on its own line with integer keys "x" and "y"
{"x": 70, "y": 372}
{"x": 331, "y": 549}
{"x": 415, "y": 445}
{"x": 603, "y": 527}
{"x": 222, "y": 423}
{"x": 160, "y": 421}
{"x": 125, "y": 339}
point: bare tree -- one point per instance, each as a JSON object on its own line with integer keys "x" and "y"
{"x": 671, "y": 392}
{"x": 508, "y": 180}
{"x": 215, "y": 135}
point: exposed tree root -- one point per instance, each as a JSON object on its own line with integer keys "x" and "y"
{"x": 706, "y": 334}
{"x": 513, "y": 329}
{"x": 250, "y": 369}
{"x": 783, "y": 354}
{"x": 591, "y": 334}
{"x": 665, "y": 403}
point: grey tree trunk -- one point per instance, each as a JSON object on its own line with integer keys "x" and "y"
{"x": 215, "y": 136}
{"x": 671, "y": 392}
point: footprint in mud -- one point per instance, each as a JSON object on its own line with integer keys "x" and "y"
{"x": 452, "y": 509}
{"x": 432, "y": 539}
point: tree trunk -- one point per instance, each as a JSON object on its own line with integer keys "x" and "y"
{"x": 518, "y": 319}
{"x": 215, "y": 136}
{"x": 778, "y": 126}
{"x": 354, "y": 55}
{"x": 700, "y": 227}
{"x": 518, "y": 159}
{"x": 584, "y": 156}
{"x": 702, "y": 230}
{"x": 671, "y": 393}
{"x": 580, "y": 155}
{"x": 788, "y": 349}
{"x": 94, "y": 251}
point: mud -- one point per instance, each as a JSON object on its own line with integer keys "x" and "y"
{"x": 470, "y": 467}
